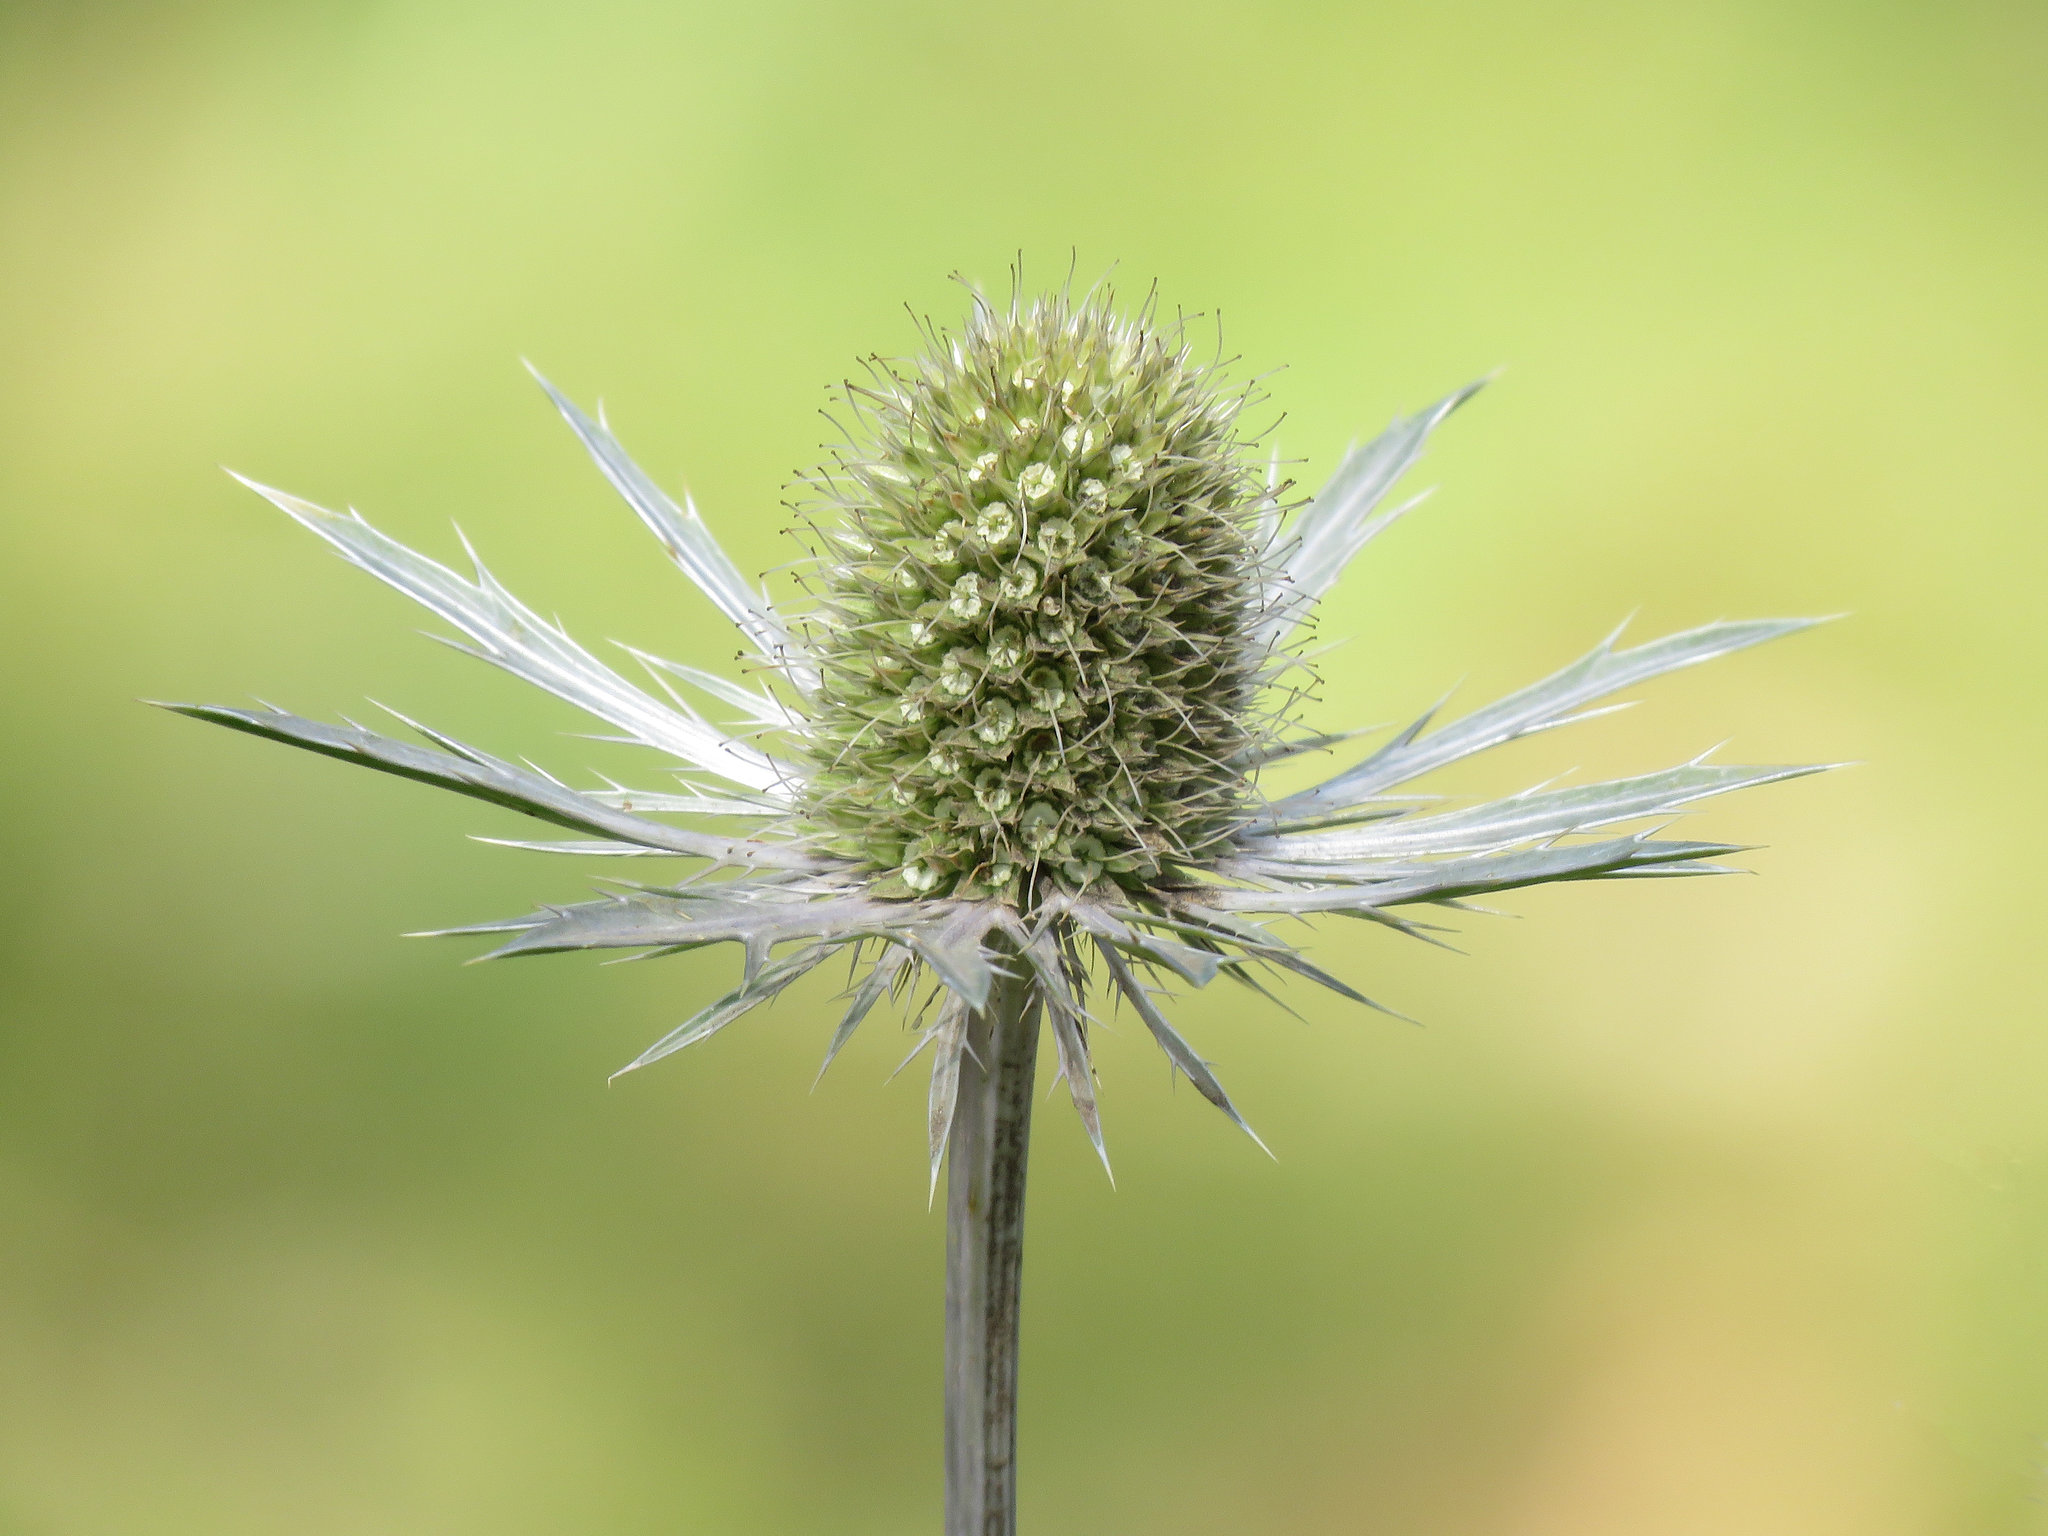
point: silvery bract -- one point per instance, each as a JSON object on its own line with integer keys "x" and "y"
{"x": 1014, "y": 736}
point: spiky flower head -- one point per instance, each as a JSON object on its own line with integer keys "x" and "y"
{"x": 1039, "y": 591}
{"x": 1017, "y": 732}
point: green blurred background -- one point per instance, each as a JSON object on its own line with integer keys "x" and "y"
{"x": 1696, "y": 1207}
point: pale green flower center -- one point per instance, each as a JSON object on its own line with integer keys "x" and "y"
{"x": 1037, "y": 596}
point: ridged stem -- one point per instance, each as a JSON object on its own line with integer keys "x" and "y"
{"x": 986, "y": 1158}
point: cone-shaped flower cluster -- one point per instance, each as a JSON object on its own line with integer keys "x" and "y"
{"x": 1040, "y": 583}
{"x": 1020, "y": 726}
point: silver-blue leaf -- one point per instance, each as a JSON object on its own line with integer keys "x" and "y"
{"x": 511, "y": 635}
{"x": 1333, "y": 528}
{"x": 484, "y": 777}
{"x": 1542, "y": 706}
{"x": 690, "y": 544}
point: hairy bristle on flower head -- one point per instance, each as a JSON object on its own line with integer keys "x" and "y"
{"x": 1036, "y": 608}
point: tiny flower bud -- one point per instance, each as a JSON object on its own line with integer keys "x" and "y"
{"x": 1056, "y": 539}
{"x": 956, "y": 675}
{"x": 992, "y": 791}
{"x": 965, "y": 603}
{"x": 1019, "y": 582}
{"x": 995, "y": 525}
{"x": 996, "y": 723}
{"x": 1039, "y": 826}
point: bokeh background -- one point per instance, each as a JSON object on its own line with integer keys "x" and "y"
{"x": 1694, "y": 1207}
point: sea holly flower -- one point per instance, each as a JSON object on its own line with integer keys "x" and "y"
{"x": 1008, "y": 749}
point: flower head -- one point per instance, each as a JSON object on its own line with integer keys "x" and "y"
{"x": 1019, "y": 727}
{"x": 1039, "y": 576}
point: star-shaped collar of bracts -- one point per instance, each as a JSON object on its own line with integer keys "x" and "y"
{"x": 1016, "y": 731}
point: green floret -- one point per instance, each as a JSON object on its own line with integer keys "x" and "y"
{"x": 1036, "y": 609}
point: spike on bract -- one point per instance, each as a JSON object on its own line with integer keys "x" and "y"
{"x": 1038, "y": 582}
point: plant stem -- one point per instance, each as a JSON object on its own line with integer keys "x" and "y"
{"x": 986, "y": 1157}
